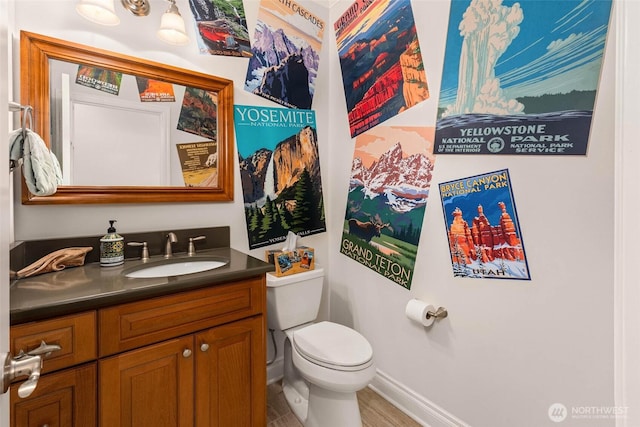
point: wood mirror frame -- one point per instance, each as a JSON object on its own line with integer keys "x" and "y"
{"x": 35, "y": 53}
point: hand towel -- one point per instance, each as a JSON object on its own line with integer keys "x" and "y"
{"x": 40, "y": 166}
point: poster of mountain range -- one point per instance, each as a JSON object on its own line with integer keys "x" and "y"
{"x": 388, "y": 190}
{"x": 286, "y": 46}
{"x": 483, "y": 229}
{"x": 382, "y": 69}
{"x": 221, "y": 27}
{"x": 521, "y": 77}
{"x": 279, "y": 172}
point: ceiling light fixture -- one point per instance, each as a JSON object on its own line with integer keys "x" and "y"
{"x": 172, "y": 28}
{"x": 98, "y": 11}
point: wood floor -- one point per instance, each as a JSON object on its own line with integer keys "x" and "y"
{"x": 375, "y": 411}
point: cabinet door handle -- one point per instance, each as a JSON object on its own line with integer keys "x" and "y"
{"x": 186, "y": 353}
{"x": 204, "y": 347}
{"x": 44, "y": 349}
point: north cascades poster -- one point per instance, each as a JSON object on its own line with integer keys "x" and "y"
{"x": 286, "y": 47}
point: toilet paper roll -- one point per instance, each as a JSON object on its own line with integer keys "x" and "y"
{"x": 417, "y": 311}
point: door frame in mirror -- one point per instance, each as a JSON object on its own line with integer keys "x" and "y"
{"x": 35, "y": 53}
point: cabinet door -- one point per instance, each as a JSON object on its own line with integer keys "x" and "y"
{"x": 231, "y": 375}
{"x": 62, "y": 399}
{"x": 148, "y": 387}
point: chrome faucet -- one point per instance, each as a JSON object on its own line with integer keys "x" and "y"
{"x": 171, "y": 238}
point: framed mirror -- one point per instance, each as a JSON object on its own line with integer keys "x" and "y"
{"x": 126, "y": 129}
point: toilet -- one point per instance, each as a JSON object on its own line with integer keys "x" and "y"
{"x": 325, "y": 363}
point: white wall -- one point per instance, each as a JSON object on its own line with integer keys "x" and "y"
{"x": 509, "y": 349}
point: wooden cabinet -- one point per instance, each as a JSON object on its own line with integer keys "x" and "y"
{"x": 230, "y": 385}
{"x": 210, "y": 378}
{"x": 149, "y": 387}
{"x": 62, "y": 399}
{"x": 65, "y": 397}
{"x": 195, "y": 358}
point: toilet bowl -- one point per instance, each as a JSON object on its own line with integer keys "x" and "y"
{"x": 333, "y": 356}
{"x": 325, "y": 363}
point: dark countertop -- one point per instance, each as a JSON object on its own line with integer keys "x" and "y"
{"x": 90, "y": 287}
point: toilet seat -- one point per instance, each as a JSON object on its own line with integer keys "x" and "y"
{"x": 333, "y": 346}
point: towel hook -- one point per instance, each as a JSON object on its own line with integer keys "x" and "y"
{"x": 26, "y": 115}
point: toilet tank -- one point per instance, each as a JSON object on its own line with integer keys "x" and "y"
{"x": 293, "y": 300}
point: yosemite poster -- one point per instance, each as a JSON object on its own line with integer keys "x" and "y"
{"x": 388, "y": 191}
{"x": 520, "y": 77}
{"x": 483, "y": 228}
{"x": 280, "y": 173}
{"x": 286, "y": 47}
{"x": 382, "y": 69}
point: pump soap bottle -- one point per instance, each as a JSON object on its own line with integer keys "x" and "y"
{"x": 111, "y": 247}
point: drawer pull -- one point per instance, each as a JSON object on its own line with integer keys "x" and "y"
{"x": 204, "y": 347}
{"x": 186, "y": 353}
{"x": 44, "y": 349}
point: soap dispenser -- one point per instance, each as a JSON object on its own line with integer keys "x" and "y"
{"x": 111, "y": 247}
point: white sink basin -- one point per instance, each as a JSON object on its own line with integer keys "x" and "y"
{"x": 175, "y": 268}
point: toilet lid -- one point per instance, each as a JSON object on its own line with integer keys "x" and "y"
{"x": 331, "y": 344}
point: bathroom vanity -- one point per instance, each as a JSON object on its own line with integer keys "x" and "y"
{"x": 185, "y": 350}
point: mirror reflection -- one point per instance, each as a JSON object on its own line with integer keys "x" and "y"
{"x": 115, "y": 129}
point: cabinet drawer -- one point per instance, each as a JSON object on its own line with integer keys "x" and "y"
{"x": 75, "y": 334}
{"x": 65, "y": 399}
{"x": 133, "y": 325}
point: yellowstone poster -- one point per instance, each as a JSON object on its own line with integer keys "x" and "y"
{"x": 381, "y": 62}
{"x": 286, "y": 53}
{"x": 279, "y": 172}
{"x": 520, "y": 77}
{"x": 482, "y": 227}
{"x": 199, "y": 163}
{"x": 388, "y": 190}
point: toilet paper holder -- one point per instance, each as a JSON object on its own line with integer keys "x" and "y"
{"x": 440, "y": 313}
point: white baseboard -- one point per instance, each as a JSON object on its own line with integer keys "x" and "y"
{"x": 417, "y": 407}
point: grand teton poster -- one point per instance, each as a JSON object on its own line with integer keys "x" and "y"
{"x": 382, "y": 70}
{"x": 388, "y": 190}
{"x": 280, "y": 173}
{"x": 521, "y": 77}
{"x": 286, "y": 47}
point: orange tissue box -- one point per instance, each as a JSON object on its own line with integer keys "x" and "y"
{"x": 291, "y": 262}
